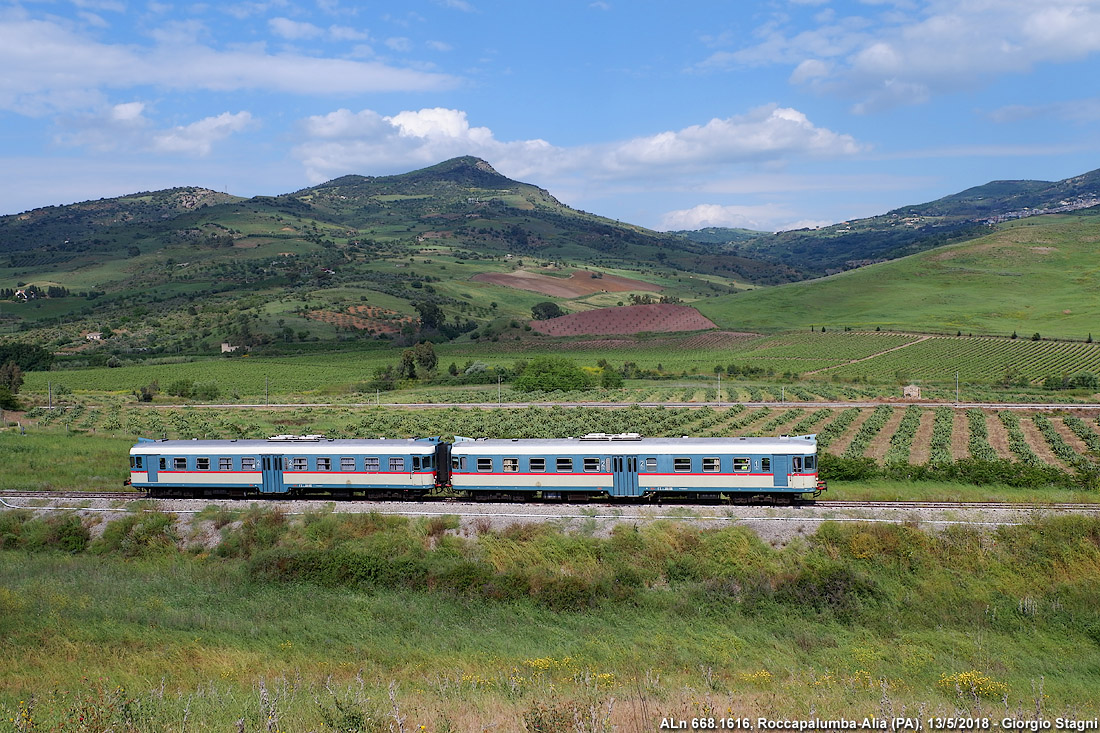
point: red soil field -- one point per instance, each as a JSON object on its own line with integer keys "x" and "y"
{"x": 662, "y": 318}
{"x": 579, "y": 283}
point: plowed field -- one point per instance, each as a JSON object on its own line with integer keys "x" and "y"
{"x": 579, "y": 283}
{"x": 659, "y": 318}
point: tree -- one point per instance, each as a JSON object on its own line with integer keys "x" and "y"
{"x": 548, "y": 373}
{"x": 546, "y": 310}
{"x": 424, "y": 353}
{"x": 431, "y": 316}
{"x": 11, "y": 377}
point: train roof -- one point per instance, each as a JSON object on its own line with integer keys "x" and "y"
{"x": 632, "y": 444}
{"x": 301, "y": 445}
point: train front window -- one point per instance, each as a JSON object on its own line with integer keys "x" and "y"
{"x": 811, "y": 463}
{"x": 796, "y": 464}
{"x": 741, "y": 464}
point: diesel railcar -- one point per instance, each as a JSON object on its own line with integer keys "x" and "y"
{"x": 288, "y": 465}
{"x": 631, "y": 467}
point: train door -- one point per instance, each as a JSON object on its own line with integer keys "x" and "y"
{"x": 624, "y": 471}
{"x": 271, "y": 469}
{"x": 781, "y": 468}
{"x": 151, "y": 464}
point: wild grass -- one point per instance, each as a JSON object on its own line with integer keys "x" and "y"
{"x": 853, "y": 620}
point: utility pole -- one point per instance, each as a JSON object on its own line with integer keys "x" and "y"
{"x": 498, "y": 390}
{"x": 719, "y": 389}
{"x": 956, "y": 387}
{"x": 267, "y": 390}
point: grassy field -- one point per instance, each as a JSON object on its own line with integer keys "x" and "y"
{"x": 1032, "y": 275}
{"x": 430, "y": 629}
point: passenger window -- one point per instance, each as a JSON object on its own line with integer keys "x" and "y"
{"x": 164, "y": 464}
{"x": 484, "y": 465}
{"x": 324, "y": 464}
{"x": 712, "y": 465}
{"x": 397, "y": 464}
{"x": 591, "y": 465}
{"x": 565, "y": 465}
{"x": 681, "y": 465}
{"x": 298, "y": 463}
{"x": 538, "y": 465}
{"x": 766, "y": 465}
{"x": 202, "y": 464}
{"x": 179, "y": 464}
{"x": 651, "y": 464}
{"x": 248, "y": 464}
{"x": 511, "y": 465}
{"x": 370, "y": 463}
{"x": 225, "y": 464}
{"x": 741, "y": 464}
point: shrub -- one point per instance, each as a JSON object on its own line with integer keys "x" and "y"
{"x": 138, "y": 535}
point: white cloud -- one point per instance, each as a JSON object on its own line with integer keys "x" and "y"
{"x": 50, "y": 67}
{"x": 344, "y": 33}
{"x": 1076, "y": 110}
{"x": 906, "y": 53}
{"x": 292, "y": 30}
{"x": 398, "y": 44}
{"x": 458, "y": 5}
{"x": 367, "y": 142}
{"x": 199, "y": 137}
{"x": 766, "y": 217}
{"x": 440, "y": 46}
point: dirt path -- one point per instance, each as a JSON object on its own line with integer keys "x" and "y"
{"x": 881, "y": 442}
{"x": 872, "y": 356}
{"x": 960, "y": 436}
{"x": 922, "y": 440}
{"x": 1069, "y": 436}
{"x": 1039, "y": 445}
{"x": 998, "y": 436}
{"x": 842, "y": 442}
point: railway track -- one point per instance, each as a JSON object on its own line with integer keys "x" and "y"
{"x": 819, "y": 504}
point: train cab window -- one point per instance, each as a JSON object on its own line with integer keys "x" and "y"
{"x": 681, "y": 465}
{"x": 591, "y": 465}
{"x": 164, "y": 464}
{"x": 298, "y": 463}
{"x": 426, "y": 462}
{"x": 712, "y": 465}
{"x": 796, "y": 464}
{"x": 416, "y": 463}
{"x": 324, "y": 463}
{"x": 458, "y": 463}
{"x": 179, "y": 464}
{"x": 810, "y": 462}
{"x": 538, "y": 465}
{"x": 565, "y": 465}
{"x": 136, "y": 462}
{"x": 248, "y": 463}
{"x": 511, "y": 465}
{"x": 397, "y": 464}
{"x": 202, "y": 463}
{"x": 765, "y": 465}
{"x": 485, "y": 465}
{"x": 370, "y": 463}
{"x": 651, "y": 464}
{"x": 742, "y": 464}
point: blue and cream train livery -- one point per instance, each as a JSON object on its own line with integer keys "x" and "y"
{"x": 288, "y": 465}
{"x": 629, "y": 466}
{"x": 596, "y": 466}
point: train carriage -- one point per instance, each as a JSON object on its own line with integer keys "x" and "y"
{"x": 288, "y": 465}
{"x": 629, "y": 466}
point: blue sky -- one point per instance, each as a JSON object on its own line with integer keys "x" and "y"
{"x": 766, "y": 114}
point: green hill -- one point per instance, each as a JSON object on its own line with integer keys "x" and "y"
{"x": 1032, "y": 275}
{"x": 958, "y": 217}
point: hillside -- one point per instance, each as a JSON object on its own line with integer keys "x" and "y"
{"x": 1030, "y": 275}
{"x": 356, "y": 258}
{"x": 919, "y": 227}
